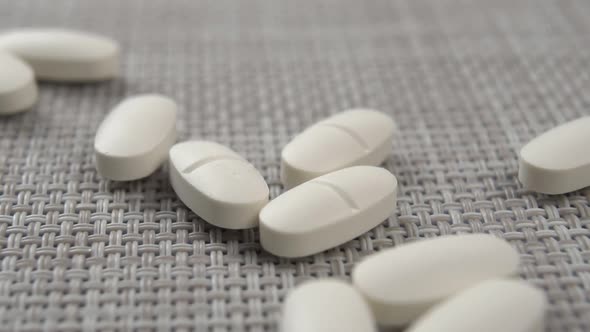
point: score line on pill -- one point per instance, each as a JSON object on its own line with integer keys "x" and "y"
{"x": 353, "y": 137}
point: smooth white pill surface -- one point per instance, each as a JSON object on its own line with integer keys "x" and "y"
{"x": 403, "y": 282}
{"x": 491, "y": 306}
{"x": 557, "y": 161}
{"x": 217, "y": 184}
{"x": 18, "y": 89}
{"x": 64, "y": 55}
{"x": 327, "y": 211}
{"x": 350, "y": 138}
{"x": 134, "y": 139}
{"x": 326, "y": 306}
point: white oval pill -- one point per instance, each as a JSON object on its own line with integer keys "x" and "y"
{"x": 18, "y": 89}
{"x": 64, "y": 55}
{"x": 403, "y": 282}
{"x": 217, "y": 184}
{"x": 354, "y": 137}
{"x": 326, "y": 306}
{"x": 327, "y": 211}
{"x": 557, "y": 161}
{"x": 134, "y": 139}
{"x": 491, "y": 306}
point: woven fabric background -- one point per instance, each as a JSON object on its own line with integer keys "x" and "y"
{"x": 468, "y": 82}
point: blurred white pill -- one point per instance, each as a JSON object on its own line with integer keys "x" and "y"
{"x": 18, "y": 89}
{"x": 403, "y": 282}
{"x": 557, "y": 161}
{"x": 490, "y": 306}
{"x": 64, "y": 55}
{"x": 326, "y": 306}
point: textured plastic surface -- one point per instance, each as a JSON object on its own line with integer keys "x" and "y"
{"x": 468, "y": 83}
{"x": 134, "y": 139}
{"x": 217, "y": 184}
{"x": 557, "y": 161}
{"x": 403, "y": 282}
{"x": 327, "y": 305}
{"x": 353, "y": 137}
{"x": 18, "y": 89}
{"x": 327, "y": 211}
{"x": 64, "y": 55}
{"x": 491, "y": 306}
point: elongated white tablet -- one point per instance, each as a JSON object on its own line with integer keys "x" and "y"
{"x": 18, "y": 89}
{"x": 217, "y": 184}
{"x": 326, "y": 306}
{"x": 491, "y": 306}
{"x": 403, "y": 282}
{"x": 350, "y": 138}
{"x": 327, "y": 211}
{"x": 134, "y": 139}
{"x": 557, "y": 161}
{"x": 64, "y": 55}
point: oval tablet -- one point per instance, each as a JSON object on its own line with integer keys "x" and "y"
{"x": 403, "y": 282}
{"x": 557, "y": 161}
{"x": 134, "y": 139}
{"x": 64, "y": 55}
{"x": 217, "y": 184}
{"x": 491, "y": 306}
{"x": 350, "y": 138}
{"x": 18, "y": 89}
{"x": 326, "y": 306}
{"x": 327, "y": 211}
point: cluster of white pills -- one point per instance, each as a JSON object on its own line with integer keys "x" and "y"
{"x": 451, "y": 283}
{"x": 335, "y": 192}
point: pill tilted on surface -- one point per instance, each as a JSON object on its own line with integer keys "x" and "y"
{"x": 326, "y": 306}
{"x": 134, "y": 138}
{"x": 491, "y": 306}
{"x": 403, "y": 282}
{"x": 557, "y": 161}
{"x": 18, "y": 89}
{"x": 327, "y": 211}
{"x": 64, "y": 55}
{"x": 350, "y": 138}
{"x": 217, "y": 184}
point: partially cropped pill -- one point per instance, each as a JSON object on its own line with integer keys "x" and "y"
{"x": 557, "y": 161}
{"x": 350, "y": 138}
{"x": 217, "y": 184}
{"x": 491, "y": 306}
{"x": 326, "y": 306}
{"x": 134, "y": 139}
{"x": 64, "y": 55}
{"x": 327, "y": 211}
{"x": 403, "y": 282}
{"x": 18, "y": 89}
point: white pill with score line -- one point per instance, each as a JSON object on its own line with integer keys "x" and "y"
{"x": 327, "y": 211}
{"x": 217, "y": 184}
{"x": 351, "y": 138}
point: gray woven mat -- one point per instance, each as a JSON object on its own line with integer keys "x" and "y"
{"x": 469, "y": 82}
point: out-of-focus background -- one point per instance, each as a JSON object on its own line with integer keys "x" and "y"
{"x": 468, "y": 82}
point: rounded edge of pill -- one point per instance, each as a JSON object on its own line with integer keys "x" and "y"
{"x": 21, "y": 98}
